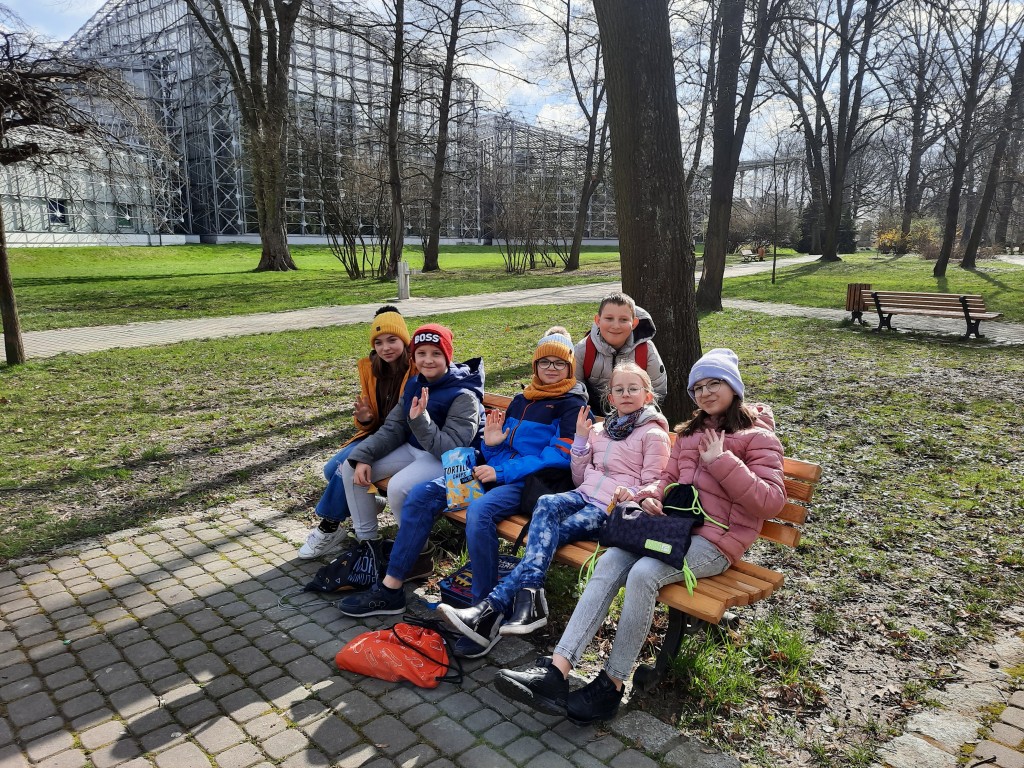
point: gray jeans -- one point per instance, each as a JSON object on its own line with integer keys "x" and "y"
{"x": 643, "y": 577}
{"x": 406, "y": 466}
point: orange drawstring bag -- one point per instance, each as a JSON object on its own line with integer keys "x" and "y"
{"x": 406, "y": 651}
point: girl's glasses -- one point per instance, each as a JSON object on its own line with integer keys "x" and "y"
{"x": 707, "y": 389}
{"x": 547, "y": 365}
{"x": 632, "y": 390}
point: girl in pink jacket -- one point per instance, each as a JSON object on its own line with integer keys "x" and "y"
{"x": 729, "y": 452}
{"x": 624, "y": 455}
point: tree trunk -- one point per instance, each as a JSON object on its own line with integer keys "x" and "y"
{"x": 13, "y": 346}
{"x": 591, "y": 179}
{"x": 433, "y": 245}
{"x": 269, "y": 191}
{"x": 654, "y": 221}
{"x": 964, "y": 142}
{"x": 1011, "y": 115}
{"x": 394, "y": 168}
{"x": 723, "y": 172}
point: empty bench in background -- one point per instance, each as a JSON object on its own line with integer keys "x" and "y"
{"x": 970, "y": 308}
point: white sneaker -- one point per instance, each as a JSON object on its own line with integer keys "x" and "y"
{"x": 320, "y": 543}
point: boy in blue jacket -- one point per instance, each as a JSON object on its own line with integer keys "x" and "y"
{"x": 536, "y": 432}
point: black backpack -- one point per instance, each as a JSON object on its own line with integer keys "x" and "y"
{"x": 359, "y": 567}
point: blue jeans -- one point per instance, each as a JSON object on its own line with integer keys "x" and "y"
{"x": 422, "y": 507}
{"x": 558, "y": 519}
{"x": 332, "y": 505}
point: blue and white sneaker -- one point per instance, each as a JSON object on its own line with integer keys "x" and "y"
{"x": 378, "y": 600}
{"x": 465, "y": 648}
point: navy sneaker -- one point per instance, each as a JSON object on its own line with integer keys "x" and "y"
{"x": 465, "y": 648}
{"x": 378, "y": 600}
{"x": 542, "y": 686}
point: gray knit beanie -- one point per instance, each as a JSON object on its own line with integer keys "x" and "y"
{"x": 719, "y": 363}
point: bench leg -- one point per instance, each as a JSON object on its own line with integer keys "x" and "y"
{"x": 857, "y": 316}
{"x": 973, "y": 326}
{"x": 646, "y": 677}
{"x": 884, "y": 321}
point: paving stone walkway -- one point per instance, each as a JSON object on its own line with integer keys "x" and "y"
{"x": 171, "y": 647}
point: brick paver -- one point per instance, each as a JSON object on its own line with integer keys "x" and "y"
{"x": 209, "y": 678}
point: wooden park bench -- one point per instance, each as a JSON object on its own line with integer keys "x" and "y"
{"x": 743, "y": 584}
{"x": 971, "y": 308}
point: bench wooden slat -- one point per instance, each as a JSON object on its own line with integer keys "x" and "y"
{"x": 697, "y": 605}
{"x": 775, "y": 578}
{"x": 780, "y": 534}
{"x": 793, "y": 513}
{"x": 742, "y": 583}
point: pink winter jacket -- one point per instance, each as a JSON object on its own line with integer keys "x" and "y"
{"x": 636, "y": 461}
{"x": 741, "y": 488}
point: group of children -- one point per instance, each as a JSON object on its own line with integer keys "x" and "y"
{"x": 416, "y": 403}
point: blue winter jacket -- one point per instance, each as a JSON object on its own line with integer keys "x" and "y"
{"x": 540, "y": 435}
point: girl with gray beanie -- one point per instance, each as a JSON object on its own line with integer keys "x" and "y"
{"x": 729, "y": 453}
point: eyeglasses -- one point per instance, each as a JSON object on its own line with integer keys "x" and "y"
{"x": 632, "y": 390}
{"x": 707, "y": 389}
{"x": 547, "y": 365}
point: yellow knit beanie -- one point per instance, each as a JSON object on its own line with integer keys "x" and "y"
{"x": 554, "y": 345}
{"x": 389, "y": 320}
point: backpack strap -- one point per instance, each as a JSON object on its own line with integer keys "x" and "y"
{"x": 454, "y": 667}
{"x": 640, "y": 355}
{"x": 588, "y": 357}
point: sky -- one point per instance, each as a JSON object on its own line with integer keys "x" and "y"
{"x": 57, "y": 19}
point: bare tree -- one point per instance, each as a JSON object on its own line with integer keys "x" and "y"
{"x": 654, "y": 221}
{"x": 822, "y": 60}
{"x": 47, "y": 121}
{"x": 980, "y": 36}
{"x": 1010, "y": 118}
{"x": 581, "y": 56}
{"x": 257, "y": 58}
{"x": 730, "y": 125}
{"x": 916, "y": 79}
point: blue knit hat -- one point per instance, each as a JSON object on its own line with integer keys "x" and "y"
{"x": 719, "y": 363}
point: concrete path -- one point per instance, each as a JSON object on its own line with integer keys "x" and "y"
{"x": 102, "y": 337}
{"x": 189, "y": 644}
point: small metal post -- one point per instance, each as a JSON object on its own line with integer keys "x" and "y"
{"x": 403, "y": 280}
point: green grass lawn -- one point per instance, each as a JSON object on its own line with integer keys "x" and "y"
{"x": 68, "y": 287}
{"x": 823, "y": 284}
{"x": 912, "y": 549}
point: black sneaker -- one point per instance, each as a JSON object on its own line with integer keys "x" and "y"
{"x": 542, "y": 686}
{"x": 378, "y": 600}
{"x": 597, "y": 700}
{"x": 529, "y": 612}
{"x": 479, "y": 623}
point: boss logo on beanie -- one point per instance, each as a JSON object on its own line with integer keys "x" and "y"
{"x": 436, "y": 335}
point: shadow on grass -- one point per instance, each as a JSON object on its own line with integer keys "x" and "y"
{"x": 94, "y": 473}
{"x": 152, "y": 507}
{"x": 27, "y": 282}
{"x": 987, "y": 278}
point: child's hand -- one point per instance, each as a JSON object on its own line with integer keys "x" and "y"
{"x": 485, "y": 473}
{"x": 583, "y": 424}
{"x": 493, "y": 434}
{"x": 711, "y": 445}
{"x": 652, "y": 506}
{"x": 621, "y": 494}
{"x": 363, "y": 413}
{"x": 419, "y": 404}
{"x": 362, "y": 474}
